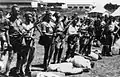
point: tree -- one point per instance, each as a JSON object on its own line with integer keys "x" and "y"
{"x": 111, "y": 6}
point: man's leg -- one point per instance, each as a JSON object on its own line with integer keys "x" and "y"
{"x": 55, "y": 54}
{"x": 46, "y": 47}
{"x": 30, "y": 59}
{"x": 60, "y": 52}
{"x": 9, "y": 60}
{"x": 68, "y": 52}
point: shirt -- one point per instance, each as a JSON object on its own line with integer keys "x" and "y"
{"x": 16, "y": 27}
{"x": 103, "y": 23}
{"x": 112, "y": 26}
{"x": 47, "y": 27}
{"x": 72, "y": 30}
{"x": 28, "y": 28}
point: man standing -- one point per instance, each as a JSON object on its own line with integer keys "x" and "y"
{"x": 28, "y": 51}
{"x": 72, "y": 39}
{"x": 4, "y": 27}
{"x": 47, "y": 28}
{"x": 4, "y": 37}
{"x": 59, "y": 39}
{"x": 15, "y": 33}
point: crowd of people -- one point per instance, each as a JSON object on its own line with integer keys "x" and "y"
{"x": 58, "y": 34}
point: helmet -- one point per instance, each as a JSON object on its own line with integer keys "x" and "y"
{"x": 28, "y": 14}
{"x": 14, "y": 6}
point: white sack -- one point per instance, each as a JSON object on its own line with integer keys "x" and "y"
{"x": 53, "y": 67}
{"x": 117, "y": 43}
{"x": 115, "y": 50}
{"x": 76, "y": 70}
{"x": 46, "y": 74}
{"x": 80, "y": 61}
{"x": 65, "y": 67}
{"x": 94, "y": 56}
{"x": 116, "y": 47}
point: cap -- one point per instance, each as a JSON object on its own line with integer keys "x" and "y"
{"x": 28, "y": 14}
{"x": 15, "y": 5}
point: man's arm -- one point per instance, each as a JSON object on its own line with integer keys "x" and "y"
{"x": 116, "y": 25}
{"x": 7, "y": 25}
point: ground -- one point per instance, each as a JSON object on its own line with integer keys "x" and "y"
{"x": 106, "y": 67}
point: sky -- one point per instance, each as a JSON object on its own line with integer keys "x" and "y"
{"x": 96, "y": 2}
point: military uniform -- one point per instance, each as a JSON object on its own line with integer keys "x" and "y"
{"x": 4, "y": 27}
{"x": 72, "y": 41}
{"x": 47, "y": 29}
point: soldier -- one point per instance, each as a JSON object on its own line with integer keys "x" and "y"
{"x": 72, "y": 39}
{"x": 65, "y": 20}
{"x": 28, "y": 51}
{"x": 86, "y": 37}
{"x": 107, "y": 33}
{"x": 15, "y": 33}
{"x": 35, "y": 16}
{"x": 4, "y": 36}
{"x": 97, "y": 26}
{"x": 59, "y": 39}
{"x": 47, "y": 28}
{"x": 114, "y": 28}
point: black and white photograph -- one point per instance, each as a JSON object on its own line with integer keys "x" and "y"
{"x": 59, "y": 38}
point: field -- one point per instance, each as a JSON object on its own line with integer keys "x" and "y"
{"x": 106, "y": 67}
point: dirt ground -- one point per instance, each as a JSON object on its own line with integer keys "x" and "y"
{"x": 106, "y": 67}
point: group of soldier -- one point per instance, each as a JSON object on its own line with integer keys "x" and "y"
{"x": 18, "y": 33}
{"x": 58, "y": 34}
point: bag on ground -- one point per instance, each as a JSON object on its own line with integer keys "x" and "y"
{"x": 46, "y": 74}
{"x": 94, "y": 56}
{"x": 65, "y": 67}
{"x": 79, "y": 61}
{"x": 115, "y": 50}
{"x": 53, "y": 67}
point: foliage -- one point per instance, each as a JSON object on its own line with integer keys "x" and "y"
{"x": 111, "y": 6}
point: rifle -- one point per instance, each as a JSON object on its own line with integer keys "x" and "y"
{"x": 39, "y": 21}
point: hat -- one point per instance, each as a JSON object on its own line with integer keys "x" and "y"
{"x": 28, "y": 14}
{"x": 15, "y": 5}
